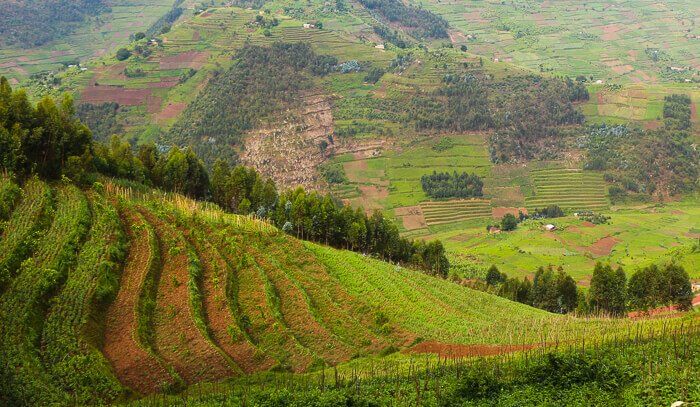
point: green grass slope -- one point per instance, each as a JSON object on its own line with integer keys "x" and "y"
{"x": 227, "y": 296}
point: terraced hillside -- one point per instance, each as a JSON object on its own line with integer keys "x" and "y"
{"x": 439, "y": 212}
{"x": 570, "y": 188}
{"x": 112, "y": 293}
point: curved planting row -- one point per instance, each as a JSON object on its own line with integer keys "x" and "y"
{"x": 229, "y": 243}
{"x": 329, "y": 303}
{"x": 9, "y": 193}
{"x": 23, "y": 379}
{"x": 299, "y": 314}
{"x": 179, "y": 329}
{"x": 221, "y": 325}
{"x": 70, "y": 354}
{"x": 30, "y": 216}
{"x": 403, "y": 300}
{"x": 128, "y": 342}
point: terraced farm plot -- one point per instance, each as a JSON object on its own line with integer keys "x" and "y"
{"x": 205, "y": 296}
{"x": 603, "y": 40}
{"x": 572, "y": 189}
{"x": 99, "y": 37}
{"x": 441, "y": 212}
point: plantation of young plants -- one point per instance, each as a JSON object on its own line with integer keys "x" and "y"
{"x": 121, "y": 293}
{"x": 570, "y": 189}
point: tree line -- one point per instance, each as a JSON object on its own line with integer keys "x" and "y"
{"x": 525, "y": 112}
{"x": 421, "y": 23}
{"x": 610, "y": 293}
{"x": 48, "y": 140}
{"x": 445, "y": 185}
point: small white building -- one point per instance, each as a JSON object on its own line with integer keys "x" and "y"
{"x": 549, "y": 227}
{"x": 309, "y": 25}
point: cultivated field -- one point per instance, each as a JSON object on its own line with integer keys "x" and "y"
{"x": 606, "y": 41}
{"x": 101, "y": 37}
{"x": 570, "y": 188}
{"x": 148, "y": 292}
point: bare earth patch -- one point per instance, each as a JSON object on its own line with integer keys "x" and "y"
{"x": 603, "y": 246}
{"x": 498, "y": 213}
{"x": 126, "y": 97}
{"x": 411, "y": 217}
{"x": 171, "y": 111}
{"x": 189, "y": 59}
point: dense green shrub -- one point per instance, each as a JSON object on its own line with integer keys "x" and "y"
{"x": 446, "y": 185}
{"x": 420, "y": 22}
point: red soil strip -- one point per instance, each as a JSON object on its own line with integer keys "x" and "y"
{"x": 452, "y": 350}
{"x": 255, "y": 305}
{"x": 125, "y": 97}
{"x": 196, "y": 36}
{"x": 694, "y": 112}
{"x": 587, "y": 224}
{"x": 133, "y": 366}
{"x": 219, "y": 318}
{"x": 178, "y": 339}
{"x": 498, "y": 213}
{"x": 189, "y": 59}
{"x": 660, "y": 310}
{"x": 298, "y": 317}
{"x": 603, "y": 246}
{"x": 171, "y": 111}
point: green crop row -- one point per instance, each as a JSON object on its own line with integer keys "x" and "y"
{"x": 21, "y": 231}
{"x": 71, "y": 355}
{"x": 23, "y": 379}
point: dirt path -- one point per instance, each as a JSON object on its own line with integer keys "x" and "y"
{"x": 222, "y": 324}
{"x": 133, "y": 366}
{"x": 661, "y": 310}
{"x": 178, "y": 339}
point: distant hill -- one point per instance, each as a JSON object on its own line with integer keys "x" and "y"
{"x": 32, "y": 23}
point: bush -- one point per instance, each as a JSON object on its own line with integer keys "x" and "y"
{"x": 123, "y": 54}
{"x": 509, "y": 222}
{"x": 446, "y": 185}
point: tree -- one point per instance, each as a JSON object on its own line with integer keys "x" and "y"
{"x": 567, "y": 292}
{"x": 495, "y": 277}
{"x": 183, "y": 172}
{"x": 509, "y": 222}
{"x": 123, "y": 54}
{"x": 608, "y": 290}
{"x": 652, "y": 286}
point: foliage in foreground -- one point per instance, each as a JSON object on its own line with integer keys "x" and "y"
{"x": 625, "y": 371}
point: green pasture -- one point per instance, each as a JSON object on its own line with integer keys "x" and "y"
{"x": 637, "y": 237}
